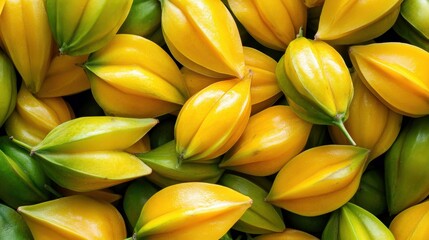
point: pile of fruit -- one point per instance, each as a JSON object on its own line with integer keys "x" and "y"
{"x": 210, "y": 119}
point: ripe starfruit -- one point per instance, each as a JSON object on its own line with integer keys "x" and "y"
{"x": 272, "y": 137}
{"x": 316, "y": 82}
{"x": 381, "y": 124}
{"x": 412, "y": 24}
{"x": 406, "y": 164}
{"x": 313, "y": 3}
{"x": 329, "y": 175}
{"x": 193, "y": 210}
{"x": 34, "y": 117}
{"x": 65, "y": 77}
{"x": 22, "y": 179}
{"x": 412, "y": 223}
{"x": 273, "y": 23}
{"x": 134, "y": 77}
{"x": 8, "y": 90}
{"x": 12, "y": 224}
{"x": 354, "y": 222}
{"x": 203, "y": 36}
{"x": 74, "y": 217}
{"x": 261, "y": 217}
{"x": 27, "y": 39}
{"x": 85, "y": 26}
{"x": 342, "y": 22}
{"x": 166, "y": 169}
{"x": 212, "y": 120}
{"x": 288, "y": 234}
{"x": 396, "y": 73}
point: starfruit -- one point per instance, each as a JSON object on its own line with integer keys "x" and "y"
{"x": 261, "y": 217}
{"x": 341, "y": 22}
{"x": 65, "y": 77}
{"x": 167, "y": 170}
{"x": 105, "y": 194}
{"x": 141, "y": 146}
{"x": 274, "y": 23}
{"x": 22, "y": 179}
{"x": 406, "y": 164}
{"x": 193, "y": 210}
{"x": 272, "y": 137}
{"x": 94, "y": 133}
{"x": 313, "y": 3}
{"x": 143, "y": 19}
{"x": 2, "y": 2}
{"x": 203, "y": 37}
{"x": 163, "y": 132}
{"x": 74, "y": 217}
{"x": 329, "y": 175}
{"x": 381, "y": 124}
{"x": 264, "y": 90}
{"x": 134, "y": 77}
{"x": 12, "y": 225}
{"x": 354, "y": 222}
{"x": 316, "y": 82}
{"x": 288, "y": 234}
{"x": 85, "y": 26}
{"x": 135, "y": 196}
{"x": 396, "y": 73}
{"x": 371, "y": 194}
{"x": 8, "y": 91}
{"x": 412, "y": 223}
{"x": 310, "y": 224}
{"x": 27, "y": 39}
{"x": 34, "y": 117}
{"x": 212, "y": 120}
{"x": 411, "y": 23}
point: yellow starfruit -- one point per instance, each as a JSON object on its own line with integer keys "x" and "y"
{"x": 287, "y": 234}
{"x": 396, "y": 73}
{"x": 412, "y": 223}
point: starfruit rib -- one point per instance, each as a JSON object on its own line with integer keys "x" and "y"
{"x": 178, "y": 219}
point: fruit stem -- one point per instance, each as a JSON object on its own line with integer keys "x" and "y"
{"x": 339, "y": 123}
{"x": 300, "y": 32}
{"x": 21, "y": 144}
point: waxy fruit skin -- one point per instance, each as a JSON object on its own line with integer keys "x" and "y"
{"x": 33, "y": 117}
{"x": 328, "y": 175}
{"x": 272, "y": 137}
{"x": 212, "y": 120}
{"x": 288, "y": 234}
{"x": 316, "y": 82}
{"x": 62, "y": 218}
{"x": 8, "y": 90}
{"x": 203, "y": 36}
{"x": 134, "y": 77}
{"x": 354, "y": 222}
{"x": 29, "y": 50}
{"x": 65, "y": 76}
{"x": 343, "y": 21}
{"x": 406, "y": 164}
{"x": 273, "y": 23}
{"x": 12, "y": 224}
{"x": 412, "y": 223}
{"x": 193, "y": 210}
{"x": 371, "y": 124}
{"x": 85, "y": 26}
{"x": 396, "y": 73}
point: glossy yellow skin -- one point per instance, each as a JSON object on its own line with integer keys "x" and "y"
{"x": 212, "y": 120}
{"x": 141, "y": 146}
{"x": 288, "y": 234}
{"x": 33, "y": 117}
{"x": 396, "y": 73}
{"x": 203, "y": 36}
{"x": 29, "y": 50}
{"x": 272, "y": 23}
{"x": 74, "y": 217}
{"x": 319, "y": 180}
{"x": 2, "y": 2}
{"x": 138, "y": 76}
{"x": 95, "y": 133}
{"x": 65, "y": 77}
{"x": 343, "y": 21}
{"x": 272, "y": 137}
{"x": 192, "y": 210}
{"x": 8, "y": 90}
{"x": 85, "y": 26}
{"x": 264, "y": 90}
{"x": 412, "y": 223}
{"x": 370, "y": 123}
